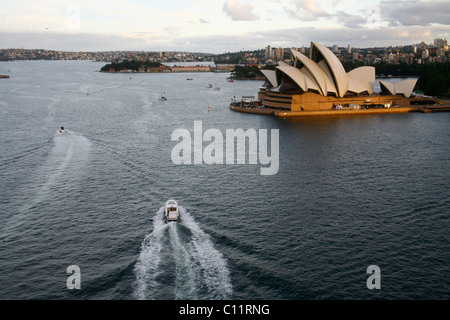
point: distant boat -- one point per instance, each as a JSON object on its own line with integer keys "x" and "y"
{"x": 62, "y": 130}
{"x": 162, "y": 97}
{"x": 230, "y": 80}
{"x": 171, "y": 211}
{"x": 209, "y": 86}
{"x": 189, "y": 79}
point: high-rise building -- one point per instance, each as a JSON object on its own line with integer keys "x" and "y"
{"x": 268, "y": 52}
{"x": 440, "y": 43}
{"x": 349, "y": 49}
{"x": 280, "y": 54}
{"x": 274, "y": 53}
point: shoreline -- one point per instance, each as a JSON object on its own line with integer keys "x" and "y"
{"x": 287, "y": 114}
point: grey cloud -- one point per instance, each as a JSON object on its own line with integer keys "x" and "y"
{"x": 419, "y": 13}
{"x": 350, "y": 20}
{"x": 396, "y": 13}
{"x": 359, "y": 37}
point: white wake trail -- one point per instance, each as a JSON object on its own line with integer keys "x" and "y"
{"x": 214, "y": 274}
{"x": 65, "y": 162}
{"x": 200, "y": 271}
{"x": 185, "y": 277}
{"x": 147, "y": 266}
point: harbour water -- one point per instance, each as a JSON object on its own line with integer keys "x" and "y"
{"x": 350, "y": 192}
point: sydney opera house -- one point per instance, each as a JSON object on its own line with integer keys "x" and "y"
{"x": 319, "y": 82}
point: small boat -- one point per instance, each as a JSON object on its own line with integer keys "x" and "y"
{"x": 209, "y": 86}
{"x": 62, "y": 130}
{"x": 163, "y": 97}
{"x": 171, "y": 211}
{"x": 230, "y": 80}
{"x": 189, "y": 79}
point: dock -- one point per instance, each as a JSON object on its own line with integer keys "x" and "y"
{"x": 254, "y": 110}
{"x": 432, "y": 109}
{"x": 346, "y": 112}
{"x": 284, "y": 114}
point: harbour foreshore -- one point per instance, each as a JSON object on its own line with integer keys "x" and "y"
{"x": 345, "y": 112}
{"x": 278, "y": 113}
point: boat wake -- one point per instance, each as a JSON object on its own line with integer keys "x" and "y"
{"x": 53, "y": 179}
{"x": 179, "y": 261}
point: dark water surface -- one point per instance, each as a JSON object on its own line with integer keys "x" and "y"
{"x": 351, "y": 192}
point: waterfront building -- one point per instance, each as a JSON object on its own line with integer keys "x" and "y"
{"x": 320, "y": 82}
{"x": 191, "y": 69}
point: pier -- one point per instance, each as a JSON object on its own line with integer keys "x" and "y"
{"x": 250, "y": 105}
{"x": 432, "y": 109}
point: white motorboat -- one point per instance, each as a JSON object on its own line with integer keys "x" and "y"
{"x": 171, "y": 211}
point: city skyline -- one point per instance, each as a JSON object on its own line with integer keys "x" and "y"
{"x": 218, "y": 26}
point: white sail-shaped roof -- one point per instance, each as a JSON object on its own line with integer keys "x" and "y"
{"x": 403, "y": 87}
{"x": 339, "y": 75}
{"x": 388, "y": 86}
{"x": 361, "y": 79}
{"x": 324, "y": 73}
{"x": 271, "y": 76}
{"x": 406, "y": 87}
{"x": 321, "y": 78}
{"x": 300, "y": 78}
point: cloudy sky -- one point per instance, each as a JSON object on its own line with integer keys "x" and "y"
{"x": 218, "y": 26}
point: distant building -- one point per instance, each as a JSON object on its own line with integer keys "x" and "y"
{"x": 440, "y": 43}
{"x": 279, "y": 54}
{"x": 225, "y": 67}
{"x": 274, "y": 53}
{"x": 191, "y": 69}
{"x": 392, "y": 58}
{"x": 268, "y": 52}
